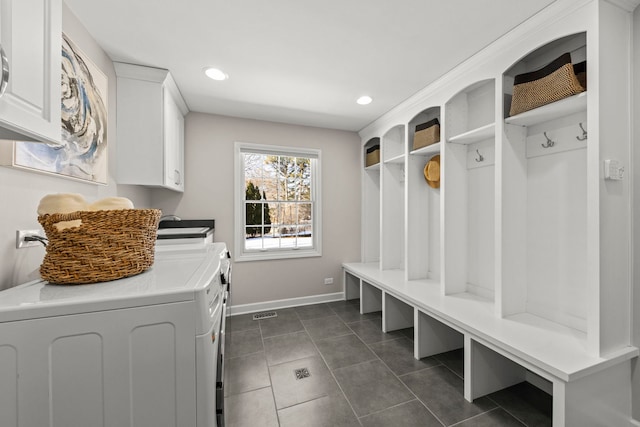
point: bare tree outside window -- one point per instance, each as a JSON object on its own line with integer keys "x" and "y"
{"x": 278, "y": 202}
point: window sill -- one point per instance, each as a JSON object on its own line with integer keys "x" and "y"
{"x": 274, "y": 255}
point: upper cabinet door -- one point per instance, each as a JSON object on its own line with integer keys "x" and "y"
{"x": 173, "y": 143}
{"x": 151, "y": 114}
{"x": 30, "y": 36}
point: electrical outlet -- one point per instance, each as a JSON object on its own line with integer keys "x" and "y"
{"x": 328, "y": 280}
{"x": 22, "y": 243}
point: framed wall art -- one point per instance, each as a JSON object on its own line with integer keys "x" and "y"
{"x": 83, "y": 152}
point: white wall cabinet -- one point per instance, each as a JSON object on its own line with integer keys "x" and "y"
{"x": 151, "y": 114}
{"x": 525, "y": 231}
{"x": 31, "y": 40}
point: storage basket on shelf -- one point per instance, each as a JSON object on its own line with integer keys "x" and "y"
{"x": 426, "y": 134}
{"x": 373, "y": 155}
{"x": 108, "y": 245}
{"x": 553, "y": 82}
{"x": 581, "y": 73}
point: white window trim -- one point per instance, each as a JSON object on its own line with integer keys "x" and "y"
{"x": 239, "y": 189}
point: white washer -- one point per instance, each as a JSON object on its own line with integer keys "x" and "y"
{"x": 140, "y": 351}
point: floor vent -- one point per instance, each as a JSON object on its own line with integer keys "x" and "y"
{"x": 265, "y": 315}
{"x": 302, "y": 373}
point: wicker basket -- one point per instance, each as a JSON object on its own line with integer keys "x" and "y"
{"x": 108, "y": 245}
{"x": 426, "y": 134}
{"x": 581, "y": 73}
{"x": 373, "y": 156}
{"x": 544, "y": 86}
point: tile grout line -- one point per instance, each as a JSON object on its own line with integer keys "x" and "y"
{"x": 391, "y": 407}
{"x": 516, "y": 418}
{"x": 393, "y": 373}
{"x": 507, "y": 411}
{"x": 246, "y": 391}
{"x": 418, "y": 371}
{"x": 376, "y": 357}
{"x": 440, "y": 363}
{"x": 327, "y": 365}
{"x": 368, "y": 346}
{"x": 390, "y": 370}
{"x": 381, "y": 361}
{"x": 406, "y": 386}
{"x": 227, "y": 359}
{"x": 483, "y": 413}
{"x": 454, "y": 373}
{"x": 244, "y": 355}
{"x": 486, "y": 396}
{"x": 273, "y": 395}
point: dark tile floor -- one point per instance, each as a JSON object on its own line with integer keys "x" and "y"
{"x": 358, "y": 376}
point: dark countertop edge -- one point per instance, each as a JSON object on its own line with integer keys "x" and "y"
{"x": 184, "y": 236}
{"x": 188, "y": 223}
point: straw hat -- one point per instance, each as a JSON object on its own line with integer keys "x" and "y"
{"x": 432, "y": 172}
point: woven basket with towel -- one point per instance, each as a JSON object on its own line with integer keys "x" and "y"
{"x": 107, "y": 240}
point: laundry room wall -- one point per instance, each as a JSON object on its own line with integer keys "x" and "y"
{"x": 21, "y": 191}
{"x": 209, "y": 187}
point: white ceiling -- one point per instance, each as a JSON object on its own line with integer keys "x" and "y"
{"x": 299, "y": 61}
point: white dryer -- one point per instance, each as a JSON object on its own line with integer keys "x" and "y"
{"x": 141, "y": 351}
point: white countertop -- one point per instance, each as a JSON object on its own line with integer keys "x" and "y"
{"x": 175, "y": 276}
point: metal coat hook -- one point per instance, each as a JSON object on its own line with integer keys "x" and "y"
{"x": 480, "y": 157}
{"x": 549, "y": 143}
{"x": 584, "y": 134}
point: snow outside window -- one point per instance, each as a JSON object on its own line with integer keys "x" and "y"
{"x": 277, "y": 206}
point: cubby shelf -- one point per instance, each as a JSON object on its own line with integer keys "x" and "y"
{"x": 475, "y": 135}
{"x": 429, "y": 149}
{"x": 515, "y": 257}
{"x": 374, "y": 167}
{"x": 562, "y": 108}
{"x": 396, "y": 159}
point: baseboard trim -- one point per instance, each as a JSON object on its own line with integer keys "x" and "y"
{"x": 283, "y": 303}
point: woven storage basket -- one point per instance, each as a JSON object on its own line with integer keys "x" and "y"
{"x": 581, "y": 73}
{"x": 108, "y": 245}
{"x": 426, "y": 134}
{"x": 373, "y": 156}
{"x": 544, "y": 86}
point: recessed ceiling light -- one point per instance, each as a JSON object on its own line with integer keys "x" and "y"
{"x": 216, "y": 74}
{"x": 364, "y": 100}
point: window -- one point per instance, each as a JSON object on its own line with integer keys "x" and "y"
{"x": 277, "y": 202}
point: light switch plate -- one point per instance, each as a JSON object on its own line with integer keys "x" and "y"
{"x": 613, "y": 170}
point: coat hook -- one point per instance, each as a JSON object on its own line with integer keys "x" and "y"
{"x": 584, "y": 134}
{"x": 549, "y": 143}
{"x": 480, "y": 157}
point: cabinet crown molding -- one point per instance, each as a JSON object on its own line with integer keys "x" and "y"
{"x": 154, "y": 75}
{"x": 140, "y": 72}
{"x": 628, "y": 5}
